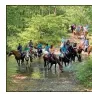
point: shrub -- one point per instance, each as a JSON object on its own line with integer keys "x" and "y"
{"x": 84, "y": 73}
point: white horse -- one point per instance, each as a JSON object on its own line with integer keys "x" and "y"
{"x": 27, "y": 56}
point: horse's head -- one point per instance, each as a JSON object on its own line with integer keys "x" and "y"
{"x": 11, "y": 53}
{"x": 79, "y": 50}
{"x": 74, "y": 44}
{"x": 14, "y": 52}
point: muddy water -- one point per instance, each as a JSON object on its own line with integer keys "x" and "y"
{"x": 39, "y": 79}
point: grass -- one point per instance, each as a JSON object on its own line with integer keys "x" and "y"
{"x": 11, "y": 70}
{"x": 83, "y": 72}
{"x": 17, "y": 78}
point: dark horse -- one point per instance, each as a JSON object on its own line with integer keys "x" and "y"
{"x": 70, "y": 56}
{"x": 18, "y": 56}
{"x": 52, "y": 60}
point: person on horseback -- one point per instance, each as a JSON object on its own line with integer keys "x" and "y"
{"x": 51, "y": 53}
{"x": 86, "y": 44}
{"x": 78, "y": 30}
{"x": 73, "y": 27}
{"x": 63, "y": 49}
{"x": 62, "y": 41}
{"x": 19, "y": 48}
{"x": 26, "y": 48}
{"x": 31, "y": 44}
{"x": 82, "y": 36}
{"x": 68, "y": 46}
{"x": 85, "y": 30}
{"x": 39, "y": 48}
{"x": 47, "y": 48}
{"x": 81, "y": 44}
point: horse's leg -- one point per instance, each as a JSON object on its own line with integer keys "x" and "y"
{"x": 48, "y": 64}
{"x": 74, "y": 58}
{"x": 88, "y": 53}
{"x": 80, "y": 58}
{"x": 69, "y": 62}
{"x": 44, "y": 63}
{"x": 51, "y": 65}
{"x": 55, "y": 66}
{"x": 26, "y": 62}
{"x": 22, "y": 61}
{"x": 61, "y": 61}
{"x": 60, "y": 65}
{"x": 31, "y": 59}
{"x": 18, "y": 61}
{"x": 65, "y": 64}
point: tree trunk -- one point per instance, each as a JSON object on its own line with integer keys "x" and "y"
{"x": 49, "y": 10}
{"x": 55, "y": 10}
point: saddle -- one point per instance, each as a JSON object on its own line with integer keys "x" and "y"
{"x": 52, "y": 57}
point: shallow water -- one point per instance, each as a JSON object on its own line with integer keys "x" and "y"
{"x": 36, "y": 78}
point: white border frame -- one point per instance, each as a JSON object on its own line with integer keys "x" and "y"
{"x": 3, "y": 34}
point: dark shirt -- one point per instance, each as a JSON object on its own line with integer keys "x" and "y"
{"x": 19, "y": 48}
{"x": 30, "y": 44}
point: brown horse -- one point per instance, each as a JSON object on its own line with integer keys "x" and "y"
{"x": 18, "y": 56}
{"x": 89, "y": 49}
{"x": 52, "y": 60}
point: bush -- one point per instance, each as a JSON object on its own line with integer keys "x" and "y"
{"x": 84, "y": 73}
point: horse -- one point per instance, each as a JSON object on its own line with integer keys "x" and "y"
{"x": 85, "y": 33}
{"x": 89, "y": 49}
{"x": 78, "y": 48}
{"x": 70, "y": 55}
{"x": 29, "y": 56}
{"x": 18, "y": 56}
{"x": 34, "y": 52}
{"x": 52, "y": 59}
{"x": 65, "y": 59}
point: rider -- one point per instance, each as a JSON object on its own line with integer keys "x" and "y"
{"x": 47, "y": 48}
{"x": 85, "y": 30}
{"x": 86, "y": 44}
{"x": 26, "y": 48}
{"x": 39, "y": 47}
{"x": 31, "y": 44}
{"x": 62, "y": 41}
{"x": 51, "y": 52}
{"x": 78, "y": 29}
{"x": 19, "y": 48}
{"x": 63, "y": 49}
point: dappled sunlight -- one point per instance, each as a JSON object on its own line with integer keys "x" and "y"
{"x": 19, "y": 76}
{"x": 36, "y": 75}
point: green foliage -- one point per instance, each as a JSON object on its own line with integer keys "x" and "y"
{"x": 43, "y": 23}
{"x": 84, "y": 73}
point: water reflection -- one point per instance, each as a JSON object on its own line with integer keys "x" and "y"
{"x": 37, "y": 71}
